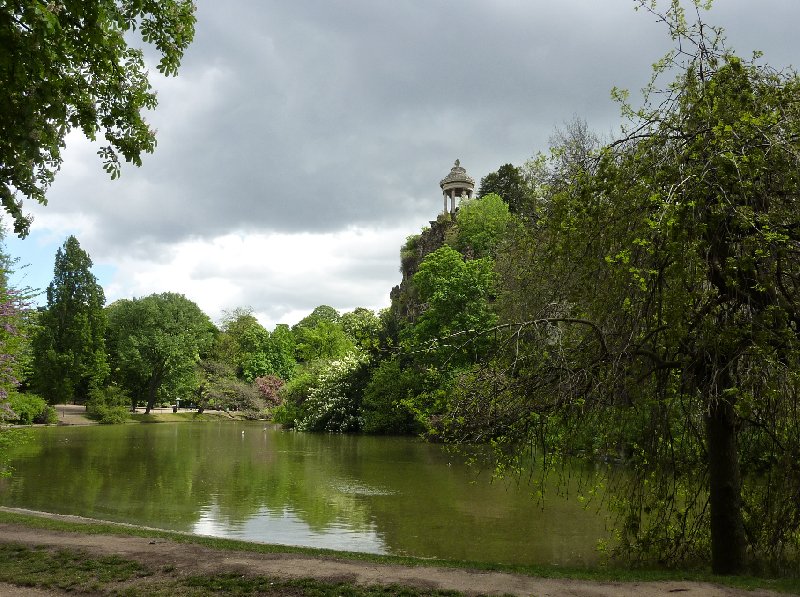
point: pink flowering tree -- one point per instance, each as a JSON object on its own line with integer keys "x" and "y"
{"x": 269, "y": 386}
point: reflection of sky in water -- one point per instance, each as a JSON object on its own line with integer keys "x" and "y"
{"x": 286, "y": 528}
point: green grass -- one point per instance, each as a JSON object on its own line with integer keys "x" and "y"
{"x": 76, "y": 571}
{"x": 608, "y": 573}
{"x": 65, "y": 569}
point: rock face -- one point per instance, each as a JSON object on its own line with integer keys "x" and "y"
{"x": 405, "y": 306}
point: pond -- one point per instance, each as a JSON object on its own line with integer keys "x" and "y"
{"x": 246, "y": 481}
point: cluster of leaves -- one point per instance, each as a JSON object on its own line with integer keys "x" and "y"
{"x": 69, "y": 66}
{"x": 29, "y": 409}
{"x": 108, "y": 405}
{"x": 332, "y": 405}
{"x": 269, "y": 386}
{"x": 69, "y": 345}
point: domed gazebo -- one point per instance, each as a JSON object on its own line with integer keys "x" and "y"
{"x": 456, "y": 184}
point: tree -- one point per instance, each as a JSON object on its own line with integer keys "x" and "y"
{"x": 509, "y": 184}
{"x": 69, "y": 346}
{"x": 387, "y": 396}
{"x": 660, "y": 320}
{"x": 480, "y": 226}
{"x": 321, "y": 313}
{"x": 155, "y": 344}
{"x": 252, "y": 350}
{"x": 456, "y": 300}
{"x": 248, "y": 343}
{"x": 363, "y": 327}
{"x": 280, "y": 352}
{"x": 320, "y": 335}
{"x": 69, "y": 65}
{"x": 218, "y": 387}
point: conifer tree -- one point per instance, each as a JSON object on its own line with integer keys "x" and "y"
{"x": 69, "y": 347}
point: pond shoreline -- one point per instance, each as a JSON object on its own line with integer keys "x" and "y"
{"x": 75, "y": 414}
{"x": 172, "y": 555}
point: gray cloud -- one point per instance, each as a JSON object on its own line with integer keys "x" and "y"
{"x": 317, "y": 116}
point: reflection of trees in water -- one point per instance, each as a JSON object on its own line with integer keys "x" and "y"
{"x": 418, "y": 499}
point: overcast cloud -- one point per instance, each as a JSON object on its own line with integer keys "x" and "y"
{"x": 303, "y": 141}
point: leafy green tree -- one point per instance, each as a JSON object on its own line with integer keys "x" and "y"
{"x": 320, "y": 335}
{"x": 279, "y": 353}
{"x": 69, "y": 348}
{"x": 456, "y": 296}
{"x": 321, "y": 313}
{"x": 248, "y": 347}
{"x": 155, "y": 344}
{"x": 481, "y": 225}
{"x": 387, "y": 398}
{"x": 69, "y": 65}
{"x": 363, "y": 327}
{"x": 508, "y": 183}
{"x": 659, "y": 322}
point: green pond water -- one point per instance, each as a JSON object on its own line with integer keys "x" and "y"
{"x": 241, "y": 480}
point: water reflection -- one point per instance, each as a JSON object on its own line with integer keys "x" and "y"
{"x": 240, "y": 480}
{"x": 287, "y": 528}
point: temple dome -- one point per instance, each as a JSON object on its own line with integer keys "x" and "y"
{"x": 458, "y": 178}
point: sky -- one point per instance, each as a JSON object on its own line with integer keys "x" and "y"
{"x": 303, "y": 141}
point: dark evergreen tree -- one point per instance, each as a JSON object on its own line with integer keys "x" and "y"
{"x": 509, "y": 184}
{"x": 69, "y": 346}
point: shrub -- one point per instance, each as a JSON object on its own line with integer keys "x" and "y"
{"x": 287, "y": 414}
{"x": 331, "y": 404}
{"x": 109, "y": 405}
{"x": 269, "y": 387}
{"x": 384, "y": 408}
{"x": 30, "y": 408}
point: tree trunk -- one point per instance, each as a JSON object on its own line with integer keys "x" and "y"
{"x": 728, "y": 542}
{"x": 152, "y": 388}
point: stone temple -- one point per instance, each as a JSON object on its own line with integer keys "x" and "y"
{"x": 456, "y": 184}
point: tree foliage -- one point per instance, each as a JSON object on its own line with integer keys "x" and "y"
{"x": 509, "y": 184}
{"x": 155, "y": 344}
{"x": 456, "y": 296}
{"x": 652, "y": 314}
{"x": 251, "y": 350}
{"x": 481, "y": 225}
{"x": 69, "y": 65}
{"x": 320, "y": 336}
{"x": 333, "y": 402}
{"x": 69, "y": 347}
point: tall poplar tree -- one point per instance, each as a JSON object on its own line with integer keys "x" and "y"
{"x": 69, "y": 347}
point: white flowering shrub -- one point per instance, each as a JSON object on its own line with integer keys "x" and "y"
{"x": 331, "y": 405}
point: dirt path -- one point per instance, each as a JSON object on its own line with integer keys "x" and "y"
{"x": 73, "y": 414}
{"x": 186, "y": 559}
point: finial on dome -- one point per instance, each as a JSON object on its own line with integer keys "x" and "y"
{"x": 458, "y": 163}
